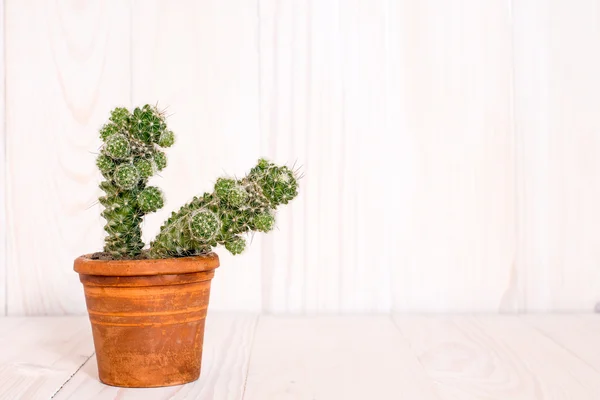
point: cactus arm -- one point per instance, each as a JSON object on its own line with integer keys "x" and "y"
{"x": 129, "y": 157}
{"x": 234, "y": 208}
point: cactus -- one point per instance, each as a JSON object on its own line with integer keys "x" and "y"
{"x": 234, "y": 208}
{"x": 130, "y": 156}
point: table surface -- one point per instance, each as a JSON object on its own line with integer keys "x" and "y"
{"x": 326, "y": 357}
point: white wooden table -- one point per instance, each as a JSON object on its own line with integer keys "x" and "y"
{"x": 329, "y": 358}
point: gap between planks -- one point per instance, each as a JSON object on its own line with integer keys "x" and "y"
{"x": 39, "y": 354}
{"x": 72, "y": 375}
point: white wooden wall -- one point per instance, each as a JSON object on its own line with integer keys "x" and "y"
{"x": 451, "y": 148}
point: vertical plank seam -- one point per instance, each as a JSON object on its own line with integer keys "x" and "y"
{"x": 342, "y": 182}
{"x": 307, "y": 128}
{"x": 3, "y": 211}
{"x": 516, "y": 165}
{"x": 261, "y": 307}
{"x": 386, "y": 112}
{"x": 131, "y": 6}
{"x": 252, "y": 342}
{"x": 72, "y": 375}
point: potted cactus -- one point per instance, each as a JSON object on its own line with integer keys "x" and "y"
{"x": 147, "y": 306}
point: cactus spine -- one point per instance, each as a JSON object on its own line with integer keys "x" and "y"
{"x": 234, "y": 208}
{"x": 128, "y": 158}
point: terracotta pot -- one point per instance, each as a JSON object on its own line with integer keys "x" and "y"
{"x": 147, "y": 317}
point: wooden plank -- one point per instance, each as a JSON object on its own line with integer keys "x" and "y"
{"x": 40, "y": 354}
{"x": 224, "y": 367}
{"x": 496, "y": 358}
{"x": 450, "y": 229}
{"x": 322, "y": 85}
{"x": 67, "y": 65}
{"x": 199, "y": 60}
{"x": 333, "y": 358}
{"x": 3, "y": 237}
{"x": 577, "y": 334}
{"x": 556, "y": 101}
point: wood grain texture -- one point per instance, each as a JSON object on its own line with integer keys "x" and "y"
{"x": 556, "y": 102}
{"x": 227, "y": 343}
{"x": 497, "y": 358}
{"x": 40, "y": 354}
{"x": 578, "y": 334}
{"x": 67, "y": 65}
{"x": 333, "y": 358}
{"x": 200, "y": 59}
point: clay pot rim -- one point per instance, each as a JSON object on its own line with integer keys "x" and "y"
{"x": 160, "y": 266}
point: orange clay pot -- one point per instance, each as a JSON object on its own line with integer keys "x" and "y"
{"x": 147, "y": 317}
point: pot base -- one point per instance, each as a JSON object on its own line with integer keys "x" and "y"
{"x": 161, "y": 355}
{"x": 149, "y": 386}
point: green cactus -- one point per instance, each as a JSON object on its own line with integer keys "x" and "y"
{"x": 236, "y": 245}
{"x": 128, "y": 158}
{"x": 130, "y": 155}
{"x": 234, "y": 208}
{"x": 117, "y": 147}
{"x": 167, "y": 139}
{"x": 150, "y": 199}
{"x": 160, "y": 160}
